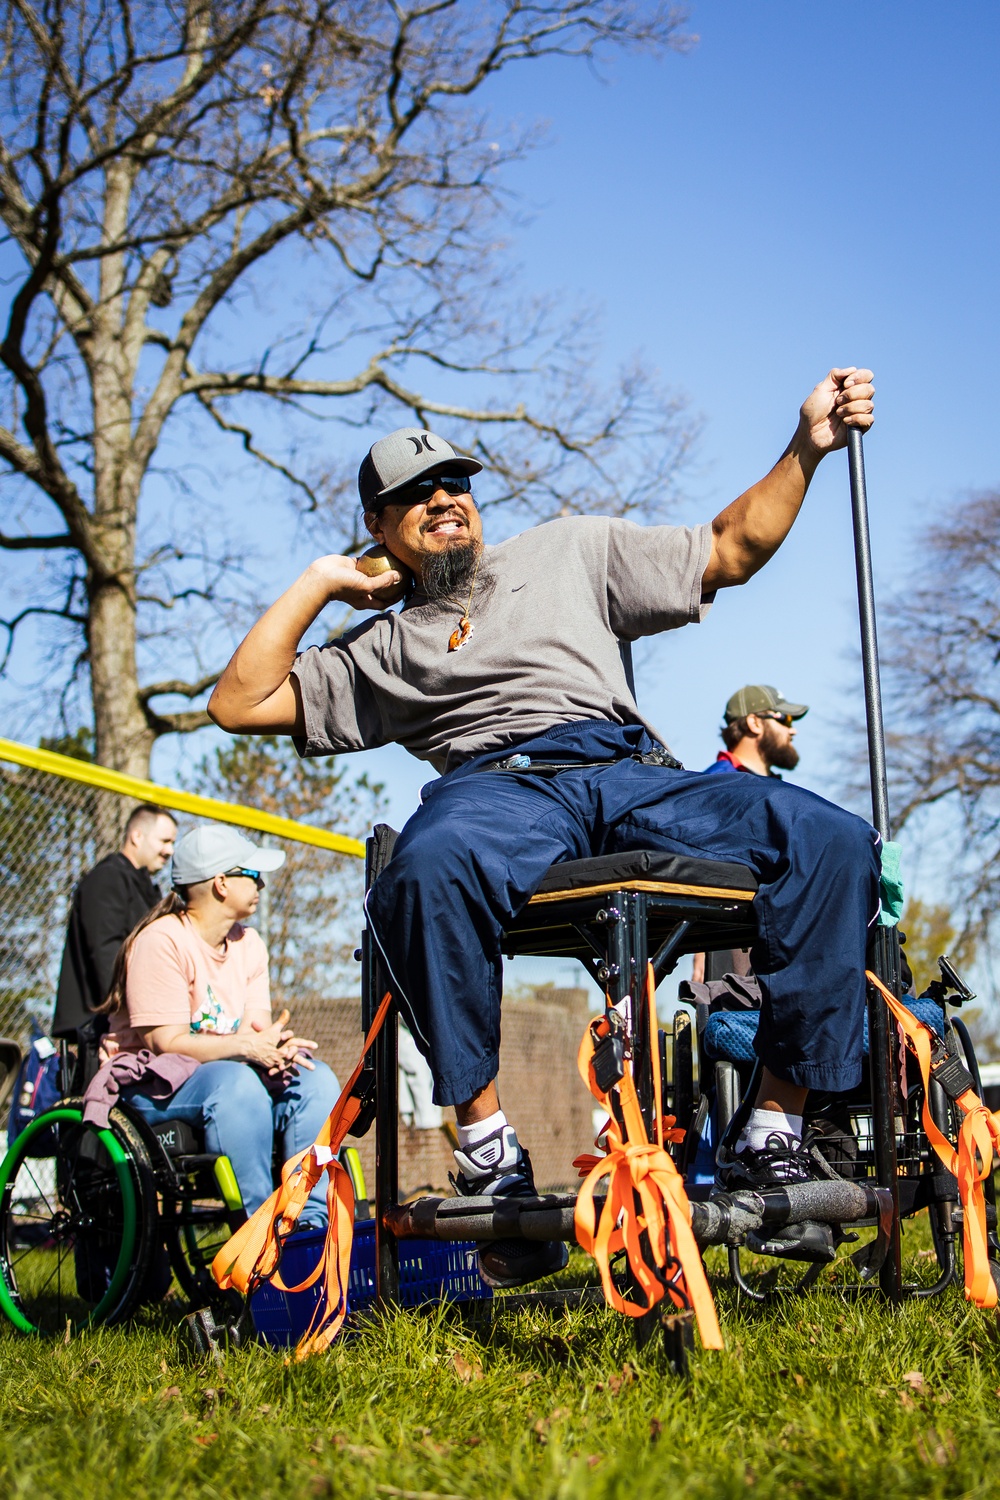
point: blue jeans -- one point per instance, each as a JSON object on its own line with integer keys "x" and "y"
{"x": 471, "y": 856}
{"x": 241, "y": 1118}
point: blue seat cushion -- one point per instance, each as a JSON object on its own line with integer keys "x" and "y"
{"x": 729, "y": 1034}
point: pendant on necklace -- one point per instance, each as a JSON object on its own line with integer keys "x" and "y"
{"x": 460, "y": 634}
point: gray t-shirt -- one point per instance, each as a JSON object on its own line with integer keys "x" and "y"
{"x": 548, "y": 610}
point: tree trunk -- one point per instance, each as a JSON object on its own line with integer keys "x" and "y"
{"x": 123, "y": 739}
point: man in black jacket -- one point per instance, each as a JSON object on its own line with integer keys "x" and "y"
{"x": 109, "y": 900}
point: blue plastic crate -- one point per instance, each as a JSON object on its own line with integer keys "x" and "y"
{"x": 429, "y": 1271}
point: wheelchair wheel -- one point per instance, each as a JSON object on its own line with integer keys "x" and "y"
{"x": 77, "y": 1228}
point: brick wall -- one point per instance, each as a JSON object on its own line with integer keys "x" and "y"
{"x": 540, "y": 1088}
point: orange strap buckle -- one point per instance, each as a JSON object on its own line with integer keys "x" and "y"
{"x": 253, "y": 1253}
{"x": 971, "y": 1164}
{"x": 645, "y": 1195}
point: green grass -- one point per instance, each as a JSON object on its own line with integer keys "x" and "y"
{"x": 810, "y": 1398}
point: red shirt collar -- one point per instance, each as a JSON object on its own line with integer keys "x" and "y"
{"x": 737, "y": 765}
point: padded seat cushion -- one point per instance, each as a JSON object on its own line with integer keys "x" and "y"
{"x": 729, "y": 1035}
{"x": 647, "y": 864}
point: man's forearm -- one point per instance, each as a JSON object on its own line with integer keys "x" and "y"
{"x": 748, "y": 532}
{"x": 260, "y": 666}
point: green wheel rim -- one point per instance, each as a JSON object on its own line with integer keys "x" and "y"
{"x": 120, "y": 1161}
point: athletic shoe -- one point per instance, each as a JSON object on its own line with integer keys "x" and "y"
{"x": 782, "y": 1160}
{"x": 497, "y": 1167}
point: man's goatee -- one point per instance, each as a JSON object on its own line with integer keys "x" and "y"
{"x": 445, "y": 574}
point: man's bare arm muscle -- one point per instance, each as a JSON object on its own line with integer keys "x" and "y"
{"x": 750, "y": 530}
{"x": 256, "y": 693}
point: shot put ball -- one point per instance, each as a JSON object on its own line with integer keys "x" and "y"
{"x": 380, "y": 560}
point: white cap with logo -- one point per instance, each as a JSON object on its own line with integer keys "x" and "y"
{"x": 214, "y": 849}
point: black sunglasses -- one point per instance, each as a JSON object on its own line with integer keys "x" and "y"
{"x": 421, "y": 490}
{"x": 253, "y": 875}
{"x": 785, "y": 719}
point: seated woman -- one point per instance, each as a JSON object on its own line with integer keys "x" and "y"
{"x": 191, "y": 979}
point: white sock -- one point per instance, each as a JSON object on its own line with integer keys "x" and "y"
{"x": 765, "y": 1122}
{"x": 471, "y": 1135}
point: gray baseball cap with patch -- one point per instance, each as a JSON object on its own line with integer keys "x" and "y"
{"x": 759, "y": 698}
{"x": 407, "y": 454}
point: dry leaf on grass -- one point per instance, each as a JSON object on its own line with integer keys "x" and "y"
{"x": 465, "y": 1370}
{"x": 655, "y": 1429}
{"x": 169, "y": 1392}
{"x": 915, "y": 1380}
{"x": 615, "y": 1382}
{"x": 206, "y": 1439}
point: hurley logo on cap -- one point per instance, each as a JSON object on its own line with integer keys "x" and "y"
{"x": 407, "y": 454}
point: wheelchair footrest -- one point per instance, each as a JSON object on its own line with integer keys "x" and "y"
{"x": 725, "y": 1219}
{"x": 549, "y": 1217}
{"x": 808, "y": 1241}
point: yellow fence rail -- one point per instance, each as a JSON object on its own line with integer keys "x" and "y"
{"x": 166, "y": 796}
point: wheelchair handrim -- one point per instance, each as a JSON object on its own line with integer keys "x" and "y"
{"x": 120, "y": 1162}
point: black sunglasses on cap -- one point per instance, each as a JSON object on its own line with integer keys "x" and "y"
{"x": 421, "y": 490}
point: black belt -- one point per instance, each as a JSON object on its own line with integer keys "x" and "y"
{"x": 528, "y": 767}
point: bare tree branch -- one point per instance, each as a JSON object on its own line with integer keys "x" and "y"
{"x": 161, "y": 166}
{"x": 174, "y": 685}
{"x": 940, "y": 647}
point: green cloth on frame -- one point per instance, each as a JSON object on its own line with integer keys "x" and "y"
{"x": 890, "y": 887}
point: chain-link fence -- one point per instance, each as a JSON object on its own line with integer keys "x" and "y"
{"x": 54, "y": 829}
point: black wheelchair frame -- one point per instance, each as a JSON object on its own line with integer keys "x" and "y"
{"x": 615, "y": 922}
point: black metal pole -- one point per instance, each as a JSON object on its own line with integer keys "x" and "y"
{"x": 373, "y": 986}
{"x": 386, "y": 1159}
{"x": 885, "y": 945}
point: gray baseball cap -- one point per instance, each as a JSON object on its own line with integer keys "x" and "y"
{"x": 215, "y": 848}
{"x": 407, "y": 454}
{"x": 759, "y": 698}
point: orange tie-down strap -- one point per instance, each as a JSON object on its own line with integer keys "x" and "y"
{"x": 253, "y": 1253}
{"x": 645, "y": 1194}
{"x": 972, "y": 1163}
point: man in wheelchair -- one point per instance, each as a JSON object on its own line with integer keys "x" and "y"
{"x": 191, "y": 985}
{"x": 503, "y": 670}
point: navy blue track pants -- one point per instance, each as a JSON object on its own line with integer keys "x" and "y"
{"x": 477, "y": 848}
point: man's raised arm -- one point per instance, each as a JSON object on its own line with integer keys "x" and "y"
{"x": 750, "y": 530}
{"x": 256, "y": 692}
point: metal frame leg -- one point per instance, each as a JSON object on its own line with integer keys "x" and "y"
{"x": 885, "y": 961}
{"x": 386, "y": 1159}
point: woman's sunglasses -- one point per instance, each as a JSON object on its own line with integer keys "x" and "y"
{"x": 253, "y": 875}
{"x": 421, "y": 490}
